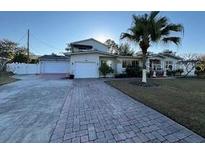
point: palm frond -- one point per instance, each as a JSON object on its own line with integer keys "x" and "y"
{"x": 153, "y": 14}
{"x": 155, "y": 28}
{"x": 127, "y": 36}
{"x": 172, "y": 27}
{"x": 136, "y": 19}
{"x": 151, "y": 28}
{"x": 175, "y": 40}
{"x": 162, "y": 21}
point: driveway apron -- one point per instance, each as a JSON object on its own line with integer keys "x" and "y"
{"x": 30, "y": 108}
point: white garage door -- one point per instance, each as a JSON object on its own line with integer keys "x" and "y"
{"x": 54, "y": 67}
{"x": 86, "y": 70}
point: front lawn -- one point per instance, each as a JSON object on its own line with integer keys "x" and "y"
{"x": 183, "y": 100}
{"x": 6, "y": 78}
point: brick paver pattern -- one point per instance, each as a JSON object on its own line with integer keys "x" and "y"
{"x": 95, "y": 112}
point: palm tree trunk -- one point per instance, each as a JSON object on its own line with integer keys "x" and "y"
{"x": 144, "y": 71}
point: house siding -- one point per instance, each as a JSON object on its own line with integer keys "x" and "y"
{"x": 96, "y": 45}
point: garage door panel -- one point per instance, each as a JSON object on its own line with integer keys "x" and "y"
{"x": 86, "y": 70}
{"x": 55, "y": 67}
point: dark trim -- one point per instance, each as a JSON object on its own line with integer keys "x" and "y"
{"x": 53, "y": 58}
{"x": 171, "y": 56}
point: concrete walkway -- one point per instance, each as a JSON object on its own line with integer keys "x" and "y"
{"x": 96, "y": 112}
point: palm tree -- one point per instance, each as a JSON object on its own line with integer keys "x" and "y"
{"x": 151, "y": 28}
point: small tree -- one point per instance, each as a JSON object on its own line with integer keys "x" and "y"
{"x": 105, "y": 69}
{"x": 20, "y": 58}
{"x": 113, "y": 46}
{"x": 125, "y": 50}
{"x": 3, "y": 62}
{"x": 200, "y": 66}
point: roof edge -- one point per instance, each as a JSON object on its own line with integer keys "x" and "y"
{"x": 76, "y": 42}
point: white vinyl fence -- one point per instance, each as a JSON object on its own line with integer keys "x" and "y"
{"x": 23, "y": 68}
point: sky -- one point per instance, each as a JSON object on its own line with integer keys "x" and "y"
{"x": 51, "y": 31}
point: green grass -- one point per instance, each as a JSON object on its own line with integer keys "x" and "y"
{"x": 6, "y": 78}
{"x": 183, "y": 100}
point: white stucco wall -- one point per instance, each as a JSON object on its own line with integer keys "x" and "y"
{"x": 119, "y": 68}
{"x": 96, "y": 45}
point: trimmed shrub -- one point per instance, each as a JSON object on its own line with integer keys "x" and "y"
{"x": 176, "y": 72}
{"x": 133, "y": 71}
{"x": 122, "y": 75}
{"x": 105, "y": 69}
{"x": 34, "y": 61}
{"x": 169, "y": 73}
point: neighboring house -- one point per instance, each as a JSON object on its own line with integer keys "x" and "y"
{"x": 87, "y": 55}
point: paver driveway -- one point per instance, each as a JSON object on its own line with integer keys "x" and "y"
{"x": 48, "y": 110}
{"x": 95, "y": 112}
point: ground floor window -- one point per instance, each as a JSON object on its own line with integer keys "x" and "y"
{"x": 169, "y": 65}
{"x": 132, "y": 63}
{"x": 135, "y": 63}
